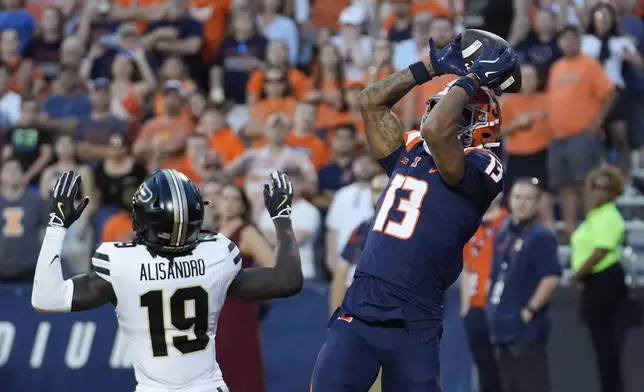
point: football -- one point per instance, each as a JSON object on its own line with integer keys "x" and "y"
{"x": 471, "y": 48}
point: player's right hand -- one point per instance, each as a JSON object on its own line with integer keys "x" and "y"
{"x": 496, "y": 61}
{"x": 448, "y": 60}
{"x": 278, "y": 196}
{"x": 62, "y": 212}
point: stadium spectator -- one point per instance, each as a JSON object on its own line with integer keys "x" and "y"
{"x": 179, "y": 35}
{"x": 605, "y": 43}
{"x": 44, "y": 47}
{"x": 9, "y": 101}
{"x": 27, "y": 80}
{"x": 23, "y": 216}
{"x": 348, "y": 260}
{"x": 241, "y": 53}
{"x": 527, "y": 136}
{"x": 211, "y": 191}
{"x": 128, "y": 93}
{"x": 198, "y": 161}
{"x": 237, "y": 340}
{"x": 118, "y": 227}
{"x": 306, "y": 223}
{"x": 351, "y": 206}
{"x": 79, "y": 241}
{"x": 415, "y": 48}
{"x": 509, "y": 19}
{"x": 327, "y": 87}
{"x": 71, "y": 52}
{"x": 174, "y": 69}
{"x": 352, "y": 114}
{"x": 221, "y": 138}
{"x": 354, "y": 46}
{"x": 525, "y": 273}
{"x": 257, "y": 163}
{"x": 15, "y": 16}
{"x": 9, "y": 48}
{"x": 596, "y": 255}
{"x": 276, "y": 96}
{"x": 93, "y": 132}
{"x": 165, "y": 136}
{"x": 400, "y": 29}
{"x": 67, "y": 103}
{"x": 116, "y": 173}
{"x": 29, "y": 142}
{"x": 381, "y": 61}
{"x": 540, "y": 47}
{"x": 338, "y": 173}
{"x": 580, "y": 96}
{"x": 277, "y": 56}
{"x": 275, "y": 26}
{"x": 304, "y": 138}
{"x": 213, "y": 15}
{"x": 414, "y": 104}
{"x": 478, "y": 255}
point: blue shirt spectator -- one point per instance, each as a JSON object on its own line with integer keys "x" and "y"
{"x": 240, "y": 53}
{"x": 67, "y": 102}
{"x": 540, "y": 46}
{"x": 18, "y": 19}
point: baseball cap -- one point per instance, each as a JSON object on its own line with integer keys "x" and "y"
{"x": 127, "y": 29}
{"x": 173, "y": 85}
{"x": 99, "y": 83}
{"x": 352, "y": 15}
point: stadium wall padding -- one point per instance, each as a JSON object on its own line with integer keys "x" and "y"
{"x": 83, "y": 352}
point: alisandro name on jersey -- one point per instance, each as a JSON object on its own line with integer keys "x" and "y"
{"x": 172, "y": 270}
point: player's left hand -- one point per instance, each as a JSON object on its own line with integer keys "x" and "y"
{"x": 448, "y": 60}
{"x": 278, "y": 196}
{"x": 62, "y": 212}
{"x": 496, "y": 61}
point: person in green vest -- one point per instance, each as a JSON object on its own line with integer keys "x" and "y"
{"x": 596, "y": 252}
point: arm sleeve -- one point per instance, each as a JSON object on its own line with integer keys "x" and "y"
{"x": 544, "y": 254}
{"x": 51, "y": 293}
{"x": 389, "y": 162}
{"x": 483, "y": 175}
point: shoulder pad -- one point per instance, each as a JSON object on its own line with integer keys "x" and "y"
{"x": 412, "y": 138}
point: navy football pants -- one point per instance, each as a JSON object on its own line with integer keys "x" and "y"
{"x": 354, "y": 352}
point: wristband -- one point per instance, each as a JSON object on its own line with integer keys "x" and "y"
{"x": 420, "y": 73}
{"x": 468, "y": 85}
{"x": 531, "y": 309}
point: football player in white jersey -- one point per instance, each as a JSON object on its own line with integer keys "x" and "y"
{"x": 169, "y": 284}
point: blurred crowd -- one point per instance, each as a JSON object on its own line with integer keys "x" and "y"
{"x": 227, "y": 91}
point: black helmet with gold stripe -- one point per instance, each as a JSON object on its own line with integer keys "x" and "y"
{"x": 167, "y": 212}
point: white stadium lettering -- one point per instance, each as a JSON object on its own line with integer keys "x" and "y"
{"x": 40, "y": 345}
{"x": 7, "y": 333}
{"x": 80, "y": 344}
{"x": 119, "y": 359}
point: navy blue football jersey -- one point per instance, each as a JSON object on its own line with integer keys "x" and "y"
{"x": 414, "y": 249}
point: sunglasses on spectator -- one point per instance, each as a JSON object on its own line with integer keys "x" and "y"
{"x": 280, "y": 80}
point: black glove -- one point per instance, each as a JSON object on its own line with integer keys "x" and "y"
{"x": 62, "y": 212}
{"x": 278, "y": 196}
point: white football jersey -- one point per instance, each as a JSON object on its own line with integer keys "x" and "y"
{"x": 168, "y": 311}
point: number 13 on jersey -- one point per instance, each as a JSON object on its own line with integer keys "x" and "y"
{"x": 410, "y": 206}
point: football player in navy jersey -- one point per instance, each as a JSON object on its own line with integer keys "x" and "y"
{"x": 442, "y": 179}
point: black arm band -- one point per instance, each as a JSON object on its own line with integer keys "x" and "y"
{"x": 420, "y": 73}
